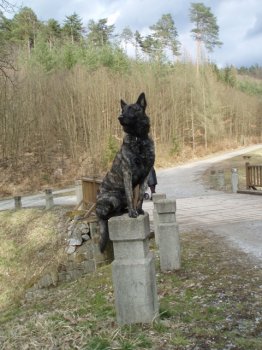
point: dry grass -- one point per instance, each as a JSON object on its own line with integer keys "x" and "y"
{"x": 213, "y": 302}
{"x": 29, "y": 246}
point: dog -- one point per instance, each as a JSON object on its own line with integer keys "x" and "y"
{"x": 130, "y": 169}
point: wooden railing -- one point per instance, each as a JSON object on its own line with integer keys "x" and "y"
{"x": 253, "y": 176}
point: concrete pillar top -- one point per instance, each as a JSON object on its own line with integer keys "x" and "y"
{"x": 124, "y": 228}
{"x": 164, "y": 206}
{"x": 158, "y": 196}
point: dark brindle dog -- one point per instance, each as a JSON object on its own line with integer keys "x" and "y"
{"x": 130, "y": 168}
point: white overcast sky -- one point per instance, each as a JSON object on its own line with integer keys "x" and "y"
{"x": 240, "y": 21}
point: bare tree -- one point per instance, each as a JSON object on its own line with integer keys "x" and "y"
{"x": 7, "y": 6}
{"x": 5, "y": 51}
{"x": 6, "y": 64}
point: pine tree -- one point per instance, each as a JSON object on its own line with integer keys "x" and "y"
{"x": 126, "y": 36}
{"x": 25, "y": 26}
{"x": 206, "y": 30}
{"x": 73, "y": 27}
{"x": 152, "y": 47}
{"x": 100, "y": 33}
{"x": 166, "y": 33}
{"x": 138, "y": 42}
{"x": 52, "y": 31}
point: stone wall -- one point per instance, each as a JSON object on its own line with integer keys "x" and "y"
{"x": 82, "y": 255}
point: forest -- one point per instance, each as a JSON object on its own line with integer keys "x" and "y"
{"x": 61, "y": 85}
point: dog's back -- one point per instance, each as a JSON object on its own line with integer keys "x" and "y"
{"x": 130, "y": 168}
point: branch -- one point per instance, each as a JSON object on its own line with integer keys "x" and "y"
{"x": 6, "y": 65}
{"x": 7, "y": 6}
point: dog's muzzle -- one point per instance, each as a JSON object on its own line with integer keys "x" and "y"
{"x": 122, "y": 120}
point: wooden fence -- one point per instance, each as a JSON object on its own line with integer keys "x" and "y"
{"x": 253, "y": 176}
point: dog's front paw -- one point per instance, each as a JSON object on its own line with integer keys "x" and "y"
{"x": 132, "y": 213}
{"x": 140, "y": 211}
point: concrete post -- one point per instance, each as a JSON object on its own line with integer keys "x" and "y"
{"x": 169, "y": 243}
{"x": 221, "y": 179}
{"x": 18, "y": 202}
{"x": 234, "y": 180}
{"x": 156, "y": 197}
{"x": 49, "y": 199}
{"x": 213, "y": 178}
{"x": 133, "y": 270}
{"x": 79, "y": 191}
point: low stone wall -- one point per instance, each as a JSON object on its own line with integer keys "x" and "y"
{"x": 82, "y": 255}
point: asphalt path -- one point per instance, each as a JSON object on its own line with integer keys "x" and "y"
{"x": 236, "y": 218}
{"x": 185, "y": 181}
{"x": 62, "y": 197}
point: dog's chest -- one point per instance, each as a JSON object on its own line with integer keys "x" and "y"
{"x": 141, "y": 156}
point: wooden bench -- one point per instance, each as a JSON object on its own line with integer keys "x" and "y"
{"x": 253, "y": 176}
{"x": 90, "y": 188}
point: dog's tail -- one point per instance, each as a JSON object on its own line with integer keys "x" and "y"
{"x": 104, "y": 238}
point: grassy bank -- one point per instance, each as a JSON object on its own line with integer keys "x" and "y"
{"x": 30, "y": 245}
{"x": 213, "y": 302}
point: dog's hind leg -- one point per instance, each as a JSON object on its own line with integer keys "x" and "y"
{"x": 142, "y": 189}
{"x": 102, "y": 212}
{"x": 108, "y": 205}
{"x": 104, "y": 238}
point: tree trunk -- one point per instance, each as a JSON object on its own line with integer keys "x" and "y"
{"x": 205, "y": 117}
{"x": 192, "y": 123}
{"x": 198, "y": 55}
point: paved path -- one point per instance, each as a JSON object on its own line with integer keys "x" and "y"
{"x": 185, "y": 181}
{"x": 220, "y": 209}
{"x": 61, "y": 197}
{"x": 236, "y": 217}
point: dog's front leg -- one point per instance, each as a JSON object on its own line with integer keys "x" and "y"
{"x": 129, "y": 193}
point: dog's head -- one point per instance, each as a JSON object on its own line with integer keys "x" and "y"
{"x": 133, "y": 118}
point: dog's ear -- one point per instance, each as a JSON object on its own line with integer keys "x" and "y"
{"x": 123, "y": 104}
{"x": 141, "y": 101}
